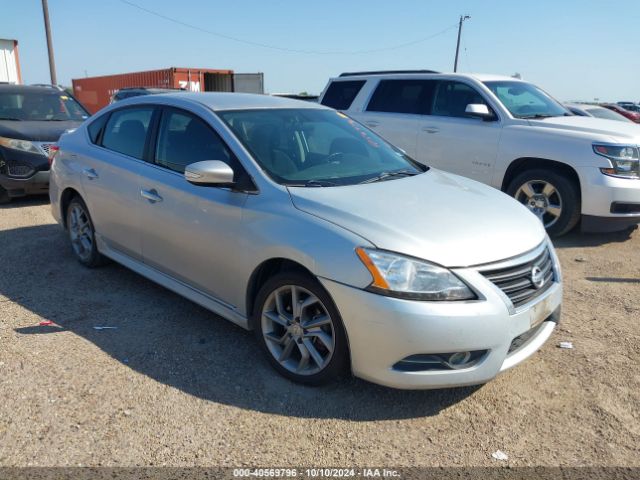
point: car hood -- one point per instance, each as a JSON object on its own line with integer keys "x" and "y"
{"x": 593, "y": 126}
{"x": 436, "y": 216}
{"x": 44, "y": 131}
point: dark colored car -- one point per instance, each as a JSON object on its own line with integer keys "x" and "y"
{"x": 32, "y": 118}
{"x": 633, "y": 116}
{"x": 138, "y": 91}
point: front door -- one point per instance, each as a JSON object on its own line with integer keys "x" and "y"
{"x": 453, "y": 141}
{"x": 190, "y": 232}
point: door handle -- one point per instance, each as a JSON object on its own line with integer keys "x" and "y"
{"x": 430, "y": 129}
{"x": 151, "y": 195}
{"x": 372, "y": 123}
{"x": 90, "y": 173}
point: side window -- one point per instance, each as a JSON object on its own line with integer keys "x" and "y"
{"x": 341, "y": 94}
{"x": 126, "y": 131}
{"x": 402, "y": 96}
{"x": 452, "y": 99}
{"x": 95, "y": 127}
{"x": 184, "y": 139}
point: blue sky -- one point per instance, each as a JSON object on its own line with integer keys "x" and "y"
{"x": 575, "y": 49}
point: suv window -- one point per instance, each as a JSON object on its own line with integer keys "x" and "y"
{"x": 402, "y": 96}
{"x": 126, "y": 131}
{"x": 184, "y": 139}
{"x": 340, "y": 94}
{"x": 452, "y": 99}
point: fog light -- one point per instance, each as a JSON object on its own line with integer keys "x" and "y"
{"x": 459, "y": 359}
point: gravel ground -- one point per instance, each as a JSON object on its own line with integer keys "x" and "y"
{"x": 177, "y": 385}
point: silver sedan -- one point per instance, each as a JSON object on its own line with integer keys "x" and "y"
{"x": 294, "y": 221}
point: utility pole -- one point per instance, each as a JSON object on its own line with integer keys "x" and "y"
{"x": 47, "y": 29}
{"x": 462, "y": 19}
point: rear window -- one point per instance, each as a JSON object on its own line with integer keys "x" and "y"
{"x": 126, "y": 131}
{"x": 403, "y": 96}
{"x": 340, "y": 95}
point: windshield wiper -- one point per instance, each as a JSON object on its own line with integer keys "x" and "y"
{"x": 537, "y": 115}
{"x": 314, "y": 183}
{"x": 11, "y": 118}
{"x": 385, "y": 175}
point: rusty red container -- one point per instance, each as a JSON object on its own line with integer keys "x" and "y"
{"x": 96, "y": 92}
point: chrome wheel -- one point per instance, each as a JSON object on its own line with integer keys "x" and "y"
{"x": 298, "y": 330}
{"x": 80, "y": 232}
{"x": 543, "y": 199}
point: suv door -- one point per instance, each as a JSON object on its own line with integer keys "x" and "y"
{"x": 110, "y": 176}
{"x": 395, "y": 110}
{"x": 190, "y": 232}
{"x": 452, "y": 140}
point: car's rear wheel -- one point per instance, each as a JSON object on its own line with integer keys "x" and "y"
{"x": 552, "y": 197}
{"x": 300, "y": 329}
{"x": 82, "y": 234}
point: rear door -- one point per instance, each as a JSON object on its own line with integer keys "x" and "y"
{"x": 395, "y": 111}
{"x": 451, "y": 140}
{"x": 190, "y": 232}
{"x": 111, "y": 176}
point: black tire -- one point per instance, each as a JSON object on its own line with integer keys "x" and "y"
{"x": 4, "y": 196}
{"x": 90, "y": 257}
{"x": 338, "y": 362}
{"x": 568, "y": 191}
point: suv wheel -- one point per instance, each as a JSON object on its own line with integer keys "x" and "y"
{"x": 552, "y": 197}
{"x": 300, "y": 329}
{"x": 82, "y": 234}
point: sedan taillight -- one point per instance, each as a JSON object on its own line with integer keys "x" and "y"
{"x": 53, "y": 150}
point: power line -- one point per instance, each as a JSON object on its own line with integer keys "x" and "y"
{"x": 285, "y": 49}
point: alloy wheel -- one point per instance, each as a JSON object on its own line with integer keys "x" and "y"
{"x": 543, "y": 199}
{"x": 298, "y": 330}
{"x": 80, "y": 232}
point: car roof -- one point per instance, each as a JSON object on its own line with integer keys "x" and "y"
{"x": 228, "y": 101}
{"x": 30, "y": 89}
{"x": 481, "y": 77}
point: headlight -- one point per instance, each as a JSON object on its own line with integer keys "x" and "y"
{"x": 625, "y": 160}
{"x": 404, "y": 277}
{"x": 22, "y": 145}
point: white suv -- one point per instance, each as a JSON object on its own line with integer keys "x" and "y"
{"x": 506, "y": 133}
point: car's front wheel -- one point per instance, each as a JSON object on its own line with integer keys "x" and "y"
{"x": 82, "y": 234}
{"x": 300, "y": 329}
{"x": 552, "y": 197}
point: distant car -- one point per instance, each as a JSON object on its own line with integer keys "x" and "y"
{"x": 631, "y": 106}
{"x": 586, "y": 110}
{"x": 633, "y": 116}
{"x": 138, "y": 91}
{"x": 32, "y": 118}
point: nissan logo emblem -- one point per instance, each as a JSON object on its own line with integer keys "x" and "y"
{"x": 537, "y": 278}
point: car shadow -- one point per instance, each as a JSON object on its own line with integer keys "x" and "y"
{"x": 174, "y": 341}
{"x": 577, "y": 239}
{"x": 30, "y": 201}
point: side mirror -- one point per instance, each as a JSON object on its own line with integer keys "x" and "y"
{"x": 209, "y": 172}
{"x": 479, "y": 110}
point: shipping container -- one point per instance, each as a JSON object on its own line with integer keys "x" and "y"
{"x": 96, "y": 92}
{"x": 9, "y": 62}
{"x": 248, "y": 82}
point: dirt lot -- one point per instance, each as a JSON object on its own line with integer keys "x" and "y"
{"x": 176, "y": 385}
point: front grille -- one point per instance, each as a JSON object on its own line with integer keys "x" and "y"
{"x": 517, "y": 281}
{"x": 45, "y": 147}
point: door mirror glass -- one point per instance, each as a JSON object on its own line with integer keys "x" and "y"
{"x": 479, "y": 110}
{"x": 209, "y": 172}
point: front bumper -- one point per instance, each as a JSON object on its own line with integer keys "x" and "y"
{"x": 19, "y": 187}
{"x": 383, "y": 330}
{"x": 602, "y": 196}
{"x": 37, "y": 171}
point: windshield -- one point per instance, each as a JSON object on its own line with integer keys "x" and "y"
{"x": 40, "y": 106}
{"x": 525, "y": 100}
{"x": 316, "y": 148}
